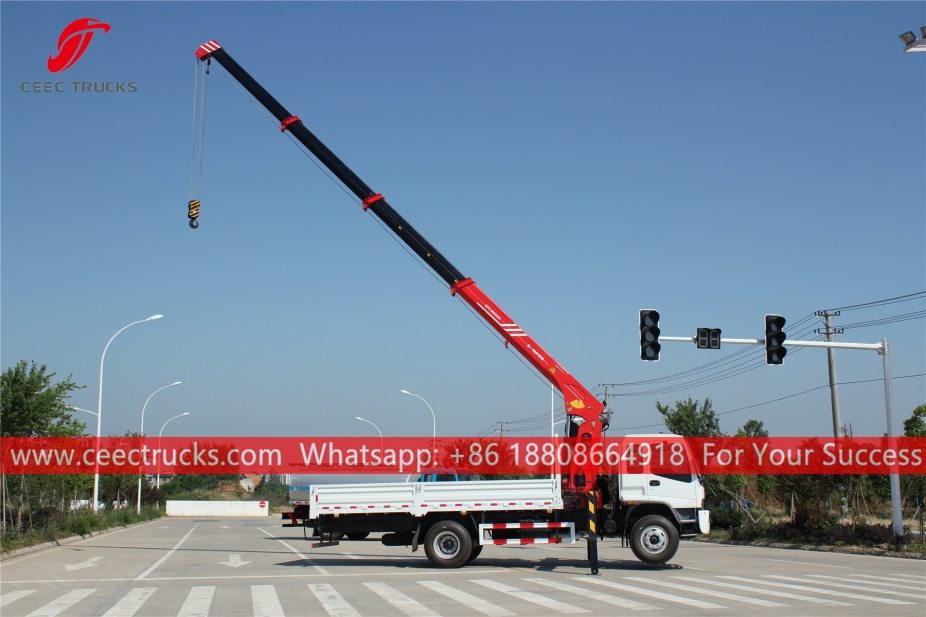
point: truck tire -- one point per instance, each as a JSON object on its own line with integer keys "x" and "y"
{"x": 473, "y": 554}
{"x": 358, "y": 535}
{"x": 448, "y": 545}
{"x": 654, "y": 539}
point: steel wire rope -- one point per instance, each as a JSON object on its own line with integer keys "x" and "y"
{"x": 202, "y": 131}
{"x": 193, "y": 137}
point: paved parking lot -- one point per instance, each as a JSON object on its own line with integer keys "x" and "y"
{"x": 253, "y": 567}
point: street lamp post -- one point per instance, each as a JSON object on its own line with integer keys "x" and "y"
{"x": 377, "y": 430}
{"x": 160, "y": 453}
{"x": 99, "y": 415}
{"x": 433, "y": 417}
{"x": 141, "y": 433}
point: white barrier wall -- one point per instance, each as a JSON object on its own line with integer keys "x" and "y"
{"x": 218, "y": 508}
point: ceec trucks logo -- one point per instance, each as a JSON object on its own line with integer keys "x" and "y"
{"x": 73, "y": 42}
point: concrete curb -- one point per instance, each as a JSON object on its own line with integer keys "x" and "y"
{"x": 69, "y": 540}
{"x": 850, "y": 550}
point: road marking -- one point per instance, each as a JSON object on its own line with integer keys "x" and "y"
{"x": 884, "y": 578}
{"x": 413, "y": 572}
{"x": 62, "y": 604}
{"x": 767, "y": 592}
{"x": 826, "y": 592}
{"x": 129, "y": 605}
{"x": 890, "y": 592}
{"x": 710, "y": 592}
{"x": 698, "y": 569}
{"x": 352, "y": 556}
{"x": 266, "y": 602}
{"x": 301, "y": 556}
{"x": 14, "y": 595}
{"x": 807, "y": 563}
{"x": 468, "y": 600}
{"x": 197, "y": 603}
{"x": 332, "y": 601}
{"x": 234, "y": 561}
{"x": 668, "y": 597}
{"x": 84, "y": 564}
{"x": 913, "y": 576}
{"x": 589, "y": 593}
{"x": 533, "y": 598}
{"x": 400, "y": 600}
{"x": 164, "y": 558}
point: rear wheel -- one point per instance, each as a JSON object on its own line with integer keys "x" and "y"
{"x": 654, "y": 539}
{"x": 473, "y": 554}
{"x": 448, "y": 545}
{"x": 358, "y": 535}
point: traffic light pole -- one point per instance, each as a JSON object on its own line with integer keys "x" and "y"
{"x": 883, "y": 349}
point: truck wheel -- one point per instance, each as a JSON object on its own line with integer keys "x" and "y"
{"x": 358, "y": 535}
{"x": 654, "y": 539}
{"x": 448, "y": 545}
{"x": 473, "y": 554}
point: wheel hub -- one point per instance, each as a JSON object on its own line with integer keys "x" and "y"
{"x": 654, "y": 539}
{"x": 447, "y": 544}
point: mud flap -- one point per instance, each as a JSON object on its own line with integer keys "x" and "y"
{"x": 415, "y": 539}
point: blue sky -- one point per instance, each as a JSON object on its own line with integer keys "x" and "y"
{"x": 715, "y": 161}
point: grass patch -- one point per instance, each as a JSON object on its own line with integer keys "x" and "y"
{"x": 50, "y": 524}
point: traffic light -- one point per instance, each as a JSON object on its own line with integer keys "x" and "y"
{"x": 649, "y": 335}
{"x": 708, "y": 338}
{"x": 775, "y": 339}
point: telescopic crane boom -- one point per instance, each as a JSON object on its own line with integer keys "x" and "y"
{"x": 579, "y": 401}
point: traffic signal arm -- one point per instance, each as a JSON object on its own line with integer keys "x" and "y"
{"x": 758, "y": 341}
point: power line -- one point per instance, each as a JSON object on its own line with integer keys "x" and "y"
{"x": 854, "y": 307}
{"x": 886, "y": 320}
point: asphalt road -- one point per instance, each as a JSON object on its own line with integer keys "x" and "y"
{"x": 255, "y": 568}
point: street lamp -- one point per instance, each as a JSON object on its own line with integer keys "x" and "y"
{"x": 160, "y": 452}
{"x": 141, "y": 433}
{"x": 377, "y": 430}
{"x": 433, "y": 417}
{"x": 79, "y": 409}
{"x": 99, "y": 415}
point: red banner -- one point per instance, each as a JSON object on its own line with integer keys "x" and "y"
{"x": 658, "y": 454}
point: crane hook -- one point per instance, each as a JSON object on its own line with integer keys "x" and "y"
{"x": 194, "y": 213}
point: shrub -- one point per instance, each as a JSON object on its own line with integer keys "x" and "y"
{"x": 726, "y": 518}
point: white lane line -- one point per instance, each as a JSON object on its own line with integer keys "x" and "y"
{"x": 197, "y": 604}
{"x": 826, "y": 592}
{"x": 668, "y": 597}
{"x": 710, "y": 592}
{"x": 533, "y": 598}
{"x": 468, "y": 600}
{"x": 807, "y": 563}
{"x": 257, "y": 576}
{"x": 14, "y": 595}
{"x": 883, "y": 578}
{"x": 129, "y": 605}
{"x": 332, "y": 601}
{"x": 400, "y": 600}
{"x": 266, "y": 602}
{"x": 589, "y": 593}
{"x": 352, "y": 556}
{"x": 767, "y": 592}
{"x": 165, "y": 557}
{"x": 62, "y": 604}
{"x": 301, "y": 556}
{"x": 856, "y": 587}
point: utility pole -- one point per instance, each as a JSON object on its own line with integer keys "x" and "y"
{"x": 501, "y": 429}
{"x": 829, "y": 332}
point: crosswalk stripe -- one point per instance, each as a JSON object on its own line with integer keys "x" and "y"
{"x": 913, "y": 576}
{"x": 400, "y": 600}
{"x": 887, "y": 578}
{"x": 62, "y": 604}
{"x": 710, "y": 592}
{"x": 589, "y": 593}
{"x": 197, "y": 603}
{"x": 14, "y": 595}
{"x": 668, "y": 597}
{"x": 768, "y": 592}
{"x": 332, "y": 601}
{"x": 533, "y": 598}
{"x": 908, "y": 585}
{"x": 856, "y": 587}
{"x": 131, "y": 602}
{"x": 466, "y": 599}
{"x": 826, "y": 592}
{"x": 265, "y": 601}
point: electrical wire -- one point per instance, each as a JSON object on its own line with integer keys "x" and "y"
{"x": 855, "y": 307}
{"x": 886, "y": 320}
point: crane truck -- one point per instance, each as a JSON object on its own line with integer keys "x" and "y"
{"x": 454, "y": 520}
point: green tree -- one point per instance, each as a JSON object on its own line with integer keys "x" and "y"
{"x": 690, "y": 419}
{"x": 752, "y": 428}
{"x": 32, "y": 406}
{"x": 915, "y": 425}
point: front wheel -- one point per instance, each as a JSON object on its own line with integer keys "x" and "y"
{"x": 654, "y": 540}
{"x": 448, "y": 545}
